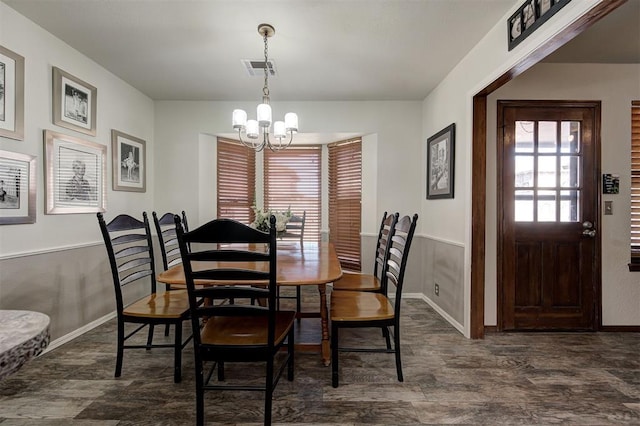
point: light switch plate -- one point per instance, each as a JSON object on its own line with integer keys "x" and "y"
{"x": 608, "y": 207}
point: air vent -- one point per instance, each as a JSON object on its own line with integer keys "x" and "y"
{"x": 256, "y": 68}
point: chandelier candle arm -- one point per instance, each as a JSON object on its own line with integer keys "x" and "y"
{"x": 253, "y": 129}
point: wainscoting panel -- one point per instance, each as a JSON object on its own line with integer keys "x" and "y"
{"x": 443, "y": 264}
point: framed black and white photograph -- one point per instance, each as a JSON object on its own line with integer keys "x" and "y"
{"x": 529, "y": 17}
{"x": 74, "y": 103}
{"x": 440, "y": 163}
{"x": 11, "y": 94}
{"x": 17, "y": 188}
{"x": 76, "y": 173}
{"x": 129, "y": 162}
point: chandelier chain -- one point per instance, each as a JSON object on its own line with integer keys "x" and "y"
{"x": 265, "y": 89}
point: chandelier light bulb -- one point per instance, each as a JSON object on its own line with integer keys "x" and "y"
{"x": 264, "y": 115}
{"x": 291, "y": 122}
{"x": 278, "y": 130}
{"x": 252, "y": 129}
{"x": 239, "y": 119}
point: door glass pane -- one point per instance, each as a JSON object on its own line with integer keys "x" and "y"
{"x": 547, "y": 136}
{"x": 569, "y": 206}
{"x": 524, "y": 171}
{"x": 524, "y": 206}
{"x": 570, "y": 171}
{"x": 524, "y": 136}
{"x": 546, "y": 206}
{"x": 570, "y": 136}
{"x": 547, "y": 172}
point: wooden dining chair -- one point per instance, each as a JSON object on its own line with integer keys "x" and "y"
{"x": 294, "y": 230}
{"x": 169, "y": 250}
{"x": 129, "y": 247}
{"x": 360, "y": 309}
{"x": 235, "y": 256}
{"x": 166, "y": 231}
{"x": 376, "y": 281}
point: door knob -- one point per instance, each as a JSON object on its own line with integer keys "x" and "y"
{"x": 587, "y": 225}
{"x": 589, "y": 233}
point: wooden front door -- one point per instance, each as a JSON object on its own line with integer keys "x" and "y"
{"x": 548, "y": 241}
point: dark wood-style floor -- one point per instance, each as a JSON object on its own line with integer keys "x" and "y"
{"x": 511, "y": 378}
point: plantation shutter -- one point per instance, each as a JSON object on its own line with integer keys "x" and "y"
{"x": 345, "y": 194}
{"x": 292, "y": 180}
{"x": 236, "y": 174}
{"x": 635, "y": 182}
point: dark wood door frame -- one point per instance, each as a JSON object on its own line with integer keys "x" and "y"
{"x": 479, "y": 154}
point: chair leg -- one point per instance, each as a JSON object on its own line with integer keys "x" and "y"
{"x": 166, "y": 329}
{"x": 120, "y": 350}
{"x": 221, "y": 371}
{"x": 278, "y": 298}
{"x": 291, "y": 350}
{"x": 298, "y": 302}
{"x": 396, "y": 342}
{"x": 334, "y": 355}
{"x": 150, "y": 337}
{"x": 199, "y": 392}
{"x": 385, "y": 334}
{"x": 268, "y": 397}
{"x": 177, "y": 362}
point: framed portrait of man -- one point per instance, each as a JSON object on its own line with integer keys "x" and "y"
{"x": 75, "y": 177}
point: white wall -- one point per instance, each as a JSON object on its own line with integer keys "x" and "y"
{"x": 616, "y": 86}
{"x": 119, "y": 106}
{"x": 452, "y": 102}
{"x": 393, "y": 127}
{"x": 58, "y": 265}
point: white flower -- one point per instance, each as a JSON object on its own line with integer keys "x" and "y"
{"x": 261, "y": 221}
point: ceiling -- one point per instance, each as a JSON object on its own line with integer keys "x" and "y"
{"x": 339, "y": 50}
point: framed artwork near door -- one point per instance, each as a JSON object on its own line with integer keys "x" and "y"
{"x": 17, "y": 188}
{"x": 440, "y": 163}
{"x": 74, "y": 103}
{"x": 11, "y": 94}
{"x": 531, "y": 15}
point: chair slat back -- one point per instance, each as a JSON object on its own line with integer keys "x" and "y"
{"x": 382, "y": 253}
{"x": 294, "y": 229}
{"x": 129, "y": 246}
{"x": 166, "y": 231}
{"x": 236, "y": 257}
{"x": 399, "y": 253}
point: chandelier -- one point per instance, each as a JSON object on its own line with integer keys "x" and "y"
{"x": 257, "y": 133}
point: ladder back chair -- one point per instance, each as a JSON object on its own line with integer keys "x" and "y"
{"x": 358, "y": 309}
{"x": 129, "y": 246}
{"x": 376, "y": 281}
{"x": 169, "y": 249}
{"x": 294, "y": 230}
{"x": 166, "y": 230}
{"x": 233, "y": 256}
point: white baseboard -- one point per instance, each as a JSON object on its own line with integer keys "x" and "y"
{"x": 78, "y": 332}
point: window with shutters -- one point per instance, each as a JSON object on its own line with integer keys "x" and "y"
{"x": 292, "y": 179}
{"x": 635, "y": 186}
{"x": 236, "y": 176}
{"x": 345, "y": 194}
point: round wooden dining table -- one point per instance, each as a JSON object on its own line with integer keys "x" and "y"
{"x": 307, "y": 264}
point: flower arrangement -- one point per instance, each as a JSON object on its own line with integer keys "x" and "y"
{"x": 261, "y": 221}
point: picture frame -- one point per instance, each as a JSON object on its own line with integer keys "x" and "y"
{"x": 11, "y": 94}
{"x": 129, "y": 163}
{"x": 75, "y": 174}
{"x": 17, "y": 188}
{"x": 74, "y": 103}
{"x": 529, "y": 17}
{"x": 441, "y": 163}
